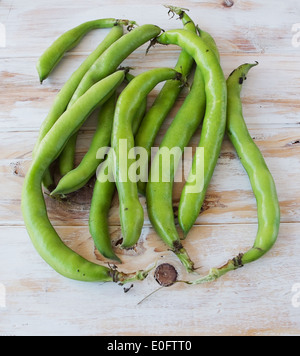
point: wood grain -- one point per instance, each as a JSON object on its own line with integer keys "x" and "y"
{"x": 256, "y": 300}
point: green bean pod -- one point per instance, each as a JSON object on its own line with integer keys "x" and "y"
{"x": 105, "y": 65}
{"x": 64, "y": 96}
{"x": 78, "y": 177}
{"x": 110, "y": 60}
{"x": 214, "y": 123}
{"x": 103, "y": 193}
{"x": 210, "y": 41}
{"x": 262, "y": 182}
{"x": 70, "y": 39}
{"x": 43, "y": 235}
{"x": 160, "y": 191}
{"x": 131, "y": 210}
{"x": 163, "y": 103}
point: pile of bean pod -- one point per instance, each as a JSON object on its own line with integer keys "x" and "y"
{"x": 211, "y": 102}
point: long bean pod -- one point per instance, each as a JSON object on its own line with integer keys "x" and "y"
{"x": 131, "y": 210}
{"x": 214, "y": 123}
{"x": 64, "y": 96}
{"x": 161, "y": 178}
{"x": 164, "y": 102}
{"x": 43, "y": 235}
{"x": 78, "y": 177}
{"x": 262, "y": 182}
{"x": 103, "y": 193}
{"x": 108, "y": 62}
{"x": 160, "y": 188}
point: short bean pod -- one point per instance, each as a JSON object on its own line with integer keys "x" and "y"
{"x": 70, "y": 39}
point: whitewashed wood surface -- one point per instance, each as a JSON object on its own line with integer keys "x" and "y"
{"x": 260, "y": 299}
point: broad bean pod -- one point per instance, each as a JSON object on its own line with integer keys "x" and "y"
{"x": 103, "y": 193}
{"x": 131, "y": 210}
{"x": 63, "y": 98}
{"x": 70, "y": 39}
{"x": 79, "y": 176}
{"x": 262, "y": 182}
{"x": 214, "y": 123}
{"x": 164, "y": 102}
{"x": 43, "y": 235}
{"x": 108, "y": 62}
{"x": 160, "y": 191}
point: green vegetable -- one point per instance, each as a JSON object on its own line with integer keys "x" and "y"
{"x": 262, "y": 182}
{"x": 43, "y": 236}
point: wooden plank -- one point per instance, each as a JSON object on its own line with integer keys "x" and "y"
{"x": 273, "y": 104}
{"x": 229, "y": 199}
{"x": 234, "y": 305}
{"x": 254, "y": 27}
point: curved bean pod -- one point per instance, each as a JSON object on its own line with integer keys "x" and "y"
{"x": 164, "y": 102}
{"x": 260, "y": 177}
{"x": 210, "y": 41}
{"x": 160, "y": 192}
{"x": 131, "y": 210}
{"x": 78, "y": 177}
{"x": 64, "y": 96}
{"x": 43, "y": 236}
{"x": 105, "y": 65}
{"x": 214, "y": 121}
{"x": 103, "y": 193}
{"x": 110, "y": 60}
{"x": 52, "y": 56}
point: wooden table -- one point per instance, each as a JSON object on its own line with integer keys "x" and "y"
{"x": 261, "y": 299}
